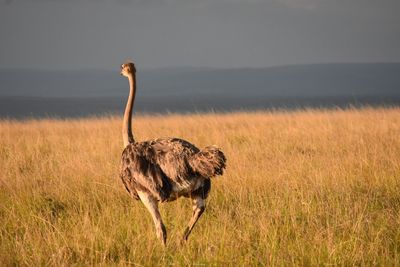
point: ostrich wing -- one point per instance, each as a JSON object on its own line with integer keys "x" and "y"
{"x": 157, "y": 166}
{"x": 172, "y": 155}
{"x": 139, "y": 171}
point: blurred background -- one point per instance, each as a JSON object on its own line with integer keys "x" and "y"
{"x": 61, "y": 59}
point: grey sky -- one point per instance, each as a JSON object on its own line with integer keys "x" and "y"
{"x": 75, "y": 34}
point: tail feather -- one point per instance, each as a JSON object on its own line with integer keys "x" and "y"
{"x": 208, "y": 162}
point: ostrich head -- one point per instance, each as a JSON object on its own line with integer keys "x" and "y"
{"x": 127, "y": 69}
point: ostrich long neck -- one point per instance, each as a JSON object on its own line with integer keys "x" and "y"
{"x": 127, "y": 123}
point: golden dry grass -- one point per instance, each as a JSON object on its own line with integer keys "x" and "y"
{"x": 302, "y": 188}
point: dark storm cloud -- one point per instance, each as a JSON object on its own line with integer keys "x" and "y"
{"x": 289, "y": 3}
{"x": 219, "y": 33}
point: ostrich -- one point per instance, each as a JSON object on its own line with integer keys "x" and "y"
{"x": 165, "y": 169}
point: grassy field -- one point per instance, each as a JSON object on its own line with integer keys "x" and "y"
{"x": 302, "y": 188}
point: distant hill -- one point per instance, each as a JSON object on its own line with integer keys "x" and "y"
{"x": 80, "y": 93}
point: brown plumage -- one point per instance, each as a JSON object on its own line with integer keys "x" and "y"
{"x": 164, "y": 169}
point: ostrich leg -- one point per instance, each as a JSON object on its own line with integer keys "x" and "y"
{"x": 152, "y": 205}
{"x": 198, "y": 209}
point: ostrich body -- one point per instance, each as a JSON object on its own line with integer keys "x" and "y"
{"x": 165, "y": 169}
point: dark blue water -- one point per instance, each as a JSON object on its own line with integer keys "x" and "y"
{"x": 38, "y": 93}
{"x": 36, "y": 107}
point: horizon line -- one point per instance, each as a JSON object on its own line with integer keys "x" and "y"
{"x": 2, "y": 68}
